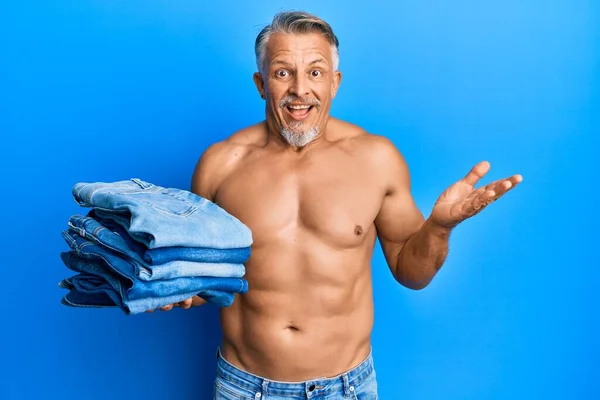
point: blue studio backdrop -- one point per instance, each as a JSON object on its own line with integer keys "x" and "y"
{"x": 94, "y": 90}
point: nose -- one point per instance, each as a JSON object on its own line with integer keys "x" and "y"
{"x": 300, "y": 85}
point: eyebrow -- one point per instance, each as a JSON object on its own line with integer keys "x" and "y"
{"x": 282, "y": 62}
{"x": 279, "y": 62}
{"x": 317, "y": 61}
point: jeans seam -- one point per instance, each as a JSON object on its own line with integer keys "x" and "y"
{"x": 220, "y": 387}
{"x": 236, "y": 383}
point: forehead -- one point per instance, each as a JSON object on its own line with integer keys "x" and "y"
{"x": 288, "y": 45}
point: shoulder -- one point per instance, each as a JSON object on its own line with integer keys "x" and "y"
{"x": 221, "y": 158}
{"x": 386, "y": 160}
{"x": 377, "y": 151}
{"x": 377, "y": 148}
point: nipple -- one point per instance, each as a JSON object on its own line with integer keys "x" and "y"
{"x": 358, "y": 230}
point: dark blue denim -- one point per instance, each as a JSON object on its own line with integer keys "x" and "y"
{"x": 161, "y": 217}
{"x": 114, "y": 238}
{"x": 92, "y": 291}
{"x": 198, "y": 254}
{"x": 96, "y": 292}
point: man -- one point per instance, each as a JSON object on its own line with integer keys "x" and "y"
{"x": 316, "y": 193}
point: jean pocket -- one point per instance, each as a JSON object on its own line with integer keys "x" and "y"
{"x": 225, "y": 390}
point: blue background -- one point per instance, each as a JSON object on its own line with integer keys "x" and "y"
{"x": 108, "y": 90}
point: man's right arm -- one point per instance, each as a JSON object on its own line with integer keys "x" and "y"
{"x": 209, "y": 171}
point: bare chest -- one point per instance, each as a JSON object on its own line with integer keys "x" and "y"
{"x": 336, "y": 201}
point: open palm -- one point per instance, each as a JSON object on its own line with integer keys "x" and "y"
{"x": 461, "y": 200}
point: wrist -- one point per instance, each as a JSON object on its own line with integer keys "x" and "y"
{"x": 437, "y": 229}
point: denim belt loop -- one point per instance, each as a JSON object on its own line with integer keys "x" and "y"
{"x": 141, "y": 183}
{"x": 265, "y": 385}
{"x": 347, "y": 392}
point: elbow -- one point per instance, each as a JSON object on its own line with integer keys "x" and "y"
{"x": 413, "y": 281}
{"x": 414, "y": 285}
{"x": 415, "y": 277}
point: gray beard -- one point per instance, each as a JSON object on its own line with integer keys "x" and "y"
{"x": 299, "y": 138}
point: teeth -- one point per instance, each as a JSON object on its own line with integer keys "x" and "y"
{"x": 298, "y": 107}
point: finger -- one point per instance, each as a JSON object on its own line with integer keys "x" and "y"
{"x": 476, "y": 173}
{"x": 504, "y": 185}
{"x": 475, "y": 193}
{"x": 486, "y": 198}
{"x": 516, "y": 179}
{"x": 168, "y": 307}
{"x": 197, "y": 301}
{"x": 478, "y": 203}
{"x": 187, "y": 303}
{"x": 150, "y": 311}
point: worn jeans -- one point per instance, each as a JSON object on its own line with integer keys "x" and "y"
{"x": 161, "y": 217}
{"x": 163, "y": 255}
{"x": 92, "y": 260}
{"x": 357, "y": 384}
{"x": 114, "y": 240}
{"x": 91, "y": 291}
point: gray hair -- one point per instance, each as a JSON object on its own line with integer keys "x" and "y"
{"x": 295, "y": 22}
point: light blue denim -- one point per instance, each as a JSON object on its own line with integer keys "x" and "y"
{"x": 89, "y": 258}
{"x": 90, "y": 291}
{"x": 104, "y": 237}
{"x": 163, "y": 255}
{"x": 161, "y": 217}
{"x": 231, "y": 383}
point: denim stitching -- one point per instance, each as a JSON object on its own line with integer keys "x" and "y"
{"x": 228, "y": 390}
{"x": 236, "y": 381}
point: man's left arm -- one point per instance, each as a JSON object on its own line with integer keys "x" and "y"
{"x": 414, "y": 248}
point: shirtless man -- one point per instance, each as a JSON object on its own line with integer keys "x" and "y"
{"x": 316, "y": 193}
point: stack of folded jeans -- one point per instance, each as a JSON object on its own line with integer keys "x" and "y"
{"x": 143, "y": 246}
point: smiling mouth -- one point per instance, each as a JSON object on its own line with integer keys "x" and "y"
{"x": 299, "y": 111}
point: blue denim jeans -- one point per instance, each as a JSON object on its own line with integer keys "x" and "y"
{"x": 91, "y": 291}
{"x": 163, "y": 255}
{"x": 92, "y": 260}
{"x": 132, "y": 252}
{"x": 357, "y": 384}
{"x": 161, "y": 217}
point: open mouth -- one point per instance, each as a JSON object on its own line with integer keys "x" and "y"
{"x": 299, "y": 111}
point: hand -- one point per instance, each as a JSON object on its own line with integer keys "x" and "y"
{"x": 191, "y": 302}
{"x": 461, "y": 200}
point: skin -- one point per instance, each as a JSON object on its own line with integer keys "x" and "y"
{"x": 315, "y": 213}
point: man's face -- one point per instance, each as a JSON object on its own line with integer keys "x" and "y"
{"x": 298, "y": 83}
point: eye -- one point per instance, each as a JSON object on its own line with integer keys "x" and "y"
{"x": 282, "y": 73}
{"x": 315, "y": 73}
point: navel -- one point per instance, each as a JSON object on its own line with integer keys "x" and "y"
{"x": 358, "y": 230}
{"x": 292, "y": 328}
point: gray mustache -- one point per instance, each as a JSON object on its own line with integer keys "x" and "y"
{"x": 293, "y": 99}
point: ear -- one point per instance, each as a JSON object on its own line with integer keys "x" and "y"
{"x": 260, "y": 84}
{"x": 337, "y": 79}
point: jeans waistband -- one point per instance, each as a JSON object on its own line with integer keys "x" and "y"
{"x": 343, "y": 383}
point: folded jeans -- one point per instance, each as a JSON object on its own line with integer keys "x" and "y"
{"x": 92, "y": 291}
{"x": 91, "y": 230}
{"x": 163, "y": 255}
{"x": 163, "y": 217}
